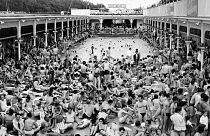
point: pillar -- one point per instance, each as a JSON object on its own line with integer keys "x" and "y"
{"x": 157, "y": 29}
{"x": 19, "y": 39}
{"x": 170, "y": 26}
{"x": 161, "y": 25}
{"x": 88, "y": 22}
{"x": 188, "y": 46}
{"x": 76, "y": 27}
{"x": 177, "y": 46}
{"x": 151, "y": 28}
{"x": 170, "y": 40}
{"x": 131, "y": 21}
{"x": 101, "y": 23}
{"x": 55, "y": 31}
{"x": 188, "y": 30}
{"x": 202, "y": 44}
{"x": 161, "y": 37}
{"x": 202, "y": 57}
{"x": 81, "y": 24}
{"x": 67, "y": 29}
{"x": 202, "y": 33}
{"x": 178, "y": 28}
{"x": 165, "y": 36}
{"x": 46, "y": 34}
{"x": 62, "y": 29}
{"x": 34, "y": 33}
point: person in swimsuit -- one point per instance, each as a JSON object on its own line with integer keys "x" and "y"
{"x": 141, "y": 108}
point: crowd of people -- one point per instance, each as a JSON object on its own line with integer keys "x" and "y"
{"x": 50, "y": 94}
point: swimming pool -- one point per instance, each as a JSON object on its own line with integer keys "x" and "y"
{"x": 119, "y": 46}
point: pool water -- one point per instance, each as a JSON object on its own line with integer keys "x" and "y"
{"x": 119, "y": 46}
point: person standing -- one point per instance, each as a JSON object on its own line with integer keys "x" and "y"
{"x": 136, "y": 57}
{"x": 129, "y": 55}
{"x": 178, "y": 123}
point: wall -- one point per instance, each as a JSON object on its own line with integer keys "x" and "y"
{"x": 203, "y": 8}
{"x": 180, "y": 8}
{"x": 192, "y": 8}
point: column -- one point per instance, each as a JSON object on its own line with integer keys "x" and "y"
{"x": 188, "y": 30}
{"x": 202, "y": 44}
{"x": 72, "y": 28}
{"x": 177, "y": 46}
{"x": 62, "y": 29}
{"x": 158, "y": 27}
{"x": 55, "y": 31}
{"x": 165, "y": 36}
{"x": 46, "y": 34}
{"x": 170, "y": 40}
{"x": 101, "y": 23}
{"x": 88, "y": 24}
{"x": 67, "y": 29}
{"x": 151, "y": 25}
{"x": 34, "y": 33}
{"x": 202, "y": 33}
{"x": 188, "y": 46}
{"x": 170, "y": 26}
{"x": 131, "y": 21}
{"x": 202, "y": 57}
{"x": 178, "y": 28}
{"x": 76, "y": 27}
{"x": 161, "y": 37}
{"x": 161, "y": 25}
{"x": 19, "y": 39}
